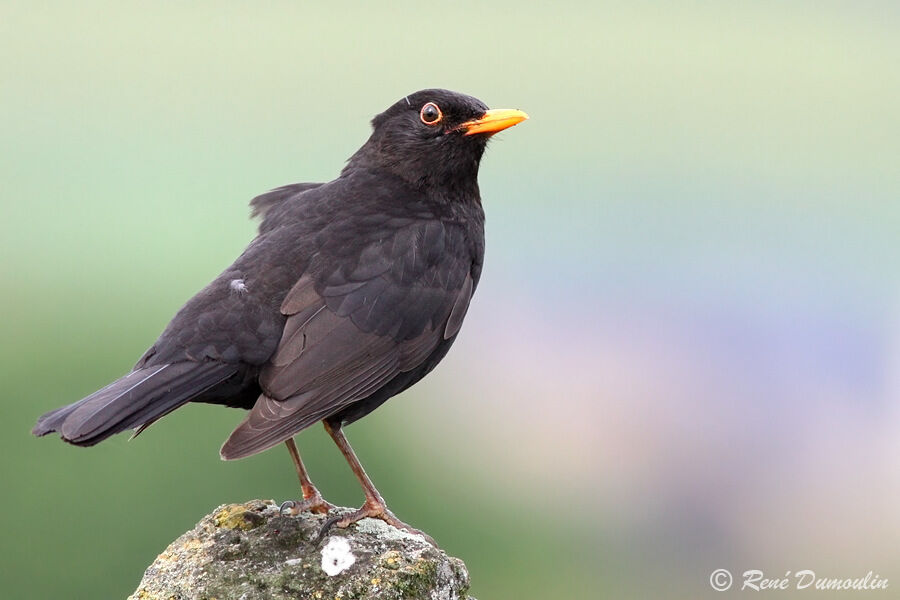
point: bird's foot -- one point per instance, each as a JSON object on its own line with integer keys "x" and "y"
{"x": 314, "y": 504}
{"x": 373, "y": 510}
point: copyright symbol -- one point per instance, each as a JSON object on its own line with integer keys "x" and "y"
{"x": 720, "y": 580}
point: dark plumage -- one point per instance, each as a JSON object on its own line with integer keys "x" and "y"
{"x": 352, "y": 291}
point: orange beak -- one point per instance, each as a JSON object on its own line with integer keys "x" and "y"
{"x": 493, "y": 121}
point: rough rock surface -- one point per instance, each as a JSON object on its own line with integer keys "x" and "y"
{"x": 249, "y": 552}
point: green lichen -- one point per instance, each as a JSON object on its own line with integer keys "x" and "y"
{"x": 249, "y": 552}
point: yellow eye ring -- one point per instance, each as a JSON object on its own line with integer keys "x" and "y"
{"x": 431, "y": 114}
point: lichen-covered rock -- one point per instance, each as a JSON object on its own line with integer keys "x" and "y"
{"x": 249, "y": 552}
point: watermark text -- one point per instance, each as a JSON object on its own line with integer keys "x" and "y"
{"x": 754, "y": 580}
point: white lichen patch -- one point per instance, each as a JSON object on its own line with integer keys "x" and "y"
{"x": 336, "y": 556}
{"x": 381, "y": 529}
{"x": 293, "y": 561}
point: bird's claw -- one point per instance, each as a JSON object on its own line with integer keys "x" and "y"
{"x": 288, "y": 505}
{"x": 314, "y": 504}
{"x": 374, "y": 511}
{"x": 326, "y": 527}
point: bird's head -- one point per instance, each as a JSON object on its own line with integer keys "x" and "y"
{"x": 433, "y": 138}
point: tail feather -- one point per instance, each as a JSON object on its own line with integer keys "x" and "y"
{"x": 138, "y": 399}
{"x": 53, "y": 420}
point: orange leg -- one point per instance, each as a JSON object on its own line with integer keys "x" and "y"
{"x": 312, "y": 499}
{"x": 374, "y": 505}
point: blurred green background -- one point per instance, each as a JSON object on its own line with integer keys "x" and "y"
{"x": 685, "y": 351}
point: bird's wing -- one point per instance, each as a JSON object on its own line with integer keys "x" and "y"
{"x": 267, "y": 206}
{"x": 355, "y": 324}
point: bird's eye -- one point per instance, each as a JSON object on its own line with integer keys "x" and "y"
{"x": 431, "y": 114}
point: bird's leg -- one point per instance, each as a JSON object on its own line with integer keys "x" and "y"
{"x": 374, "y": 505}
{"x": 312, "y": 499}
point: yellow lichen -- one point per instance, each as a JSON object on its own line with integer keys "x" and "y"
{"x": 233, "y": 516}
{"x": 391, "y": 559}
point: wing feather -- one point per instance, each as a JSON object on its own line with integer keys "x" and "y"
{"x": 351, "y": 330}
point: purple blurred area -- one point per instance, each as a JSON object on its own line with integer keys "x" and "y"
{"x": 689, "y": 434}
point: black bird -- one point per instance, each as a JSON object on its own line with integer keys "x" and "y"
{"x": 352, "y": 291}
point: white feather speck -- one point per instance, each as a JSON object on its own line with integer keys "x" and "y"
{"x": 238, "y": 285}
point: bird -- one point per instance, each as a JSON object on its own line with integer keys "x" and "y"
{"x": 351, "y": 292}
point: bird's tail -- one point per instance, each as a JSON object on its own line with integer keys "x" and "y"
{"x": 136, "y": 400}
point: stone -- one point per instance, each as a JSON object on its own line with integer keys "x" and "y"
{"x": 250, "y": 552}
